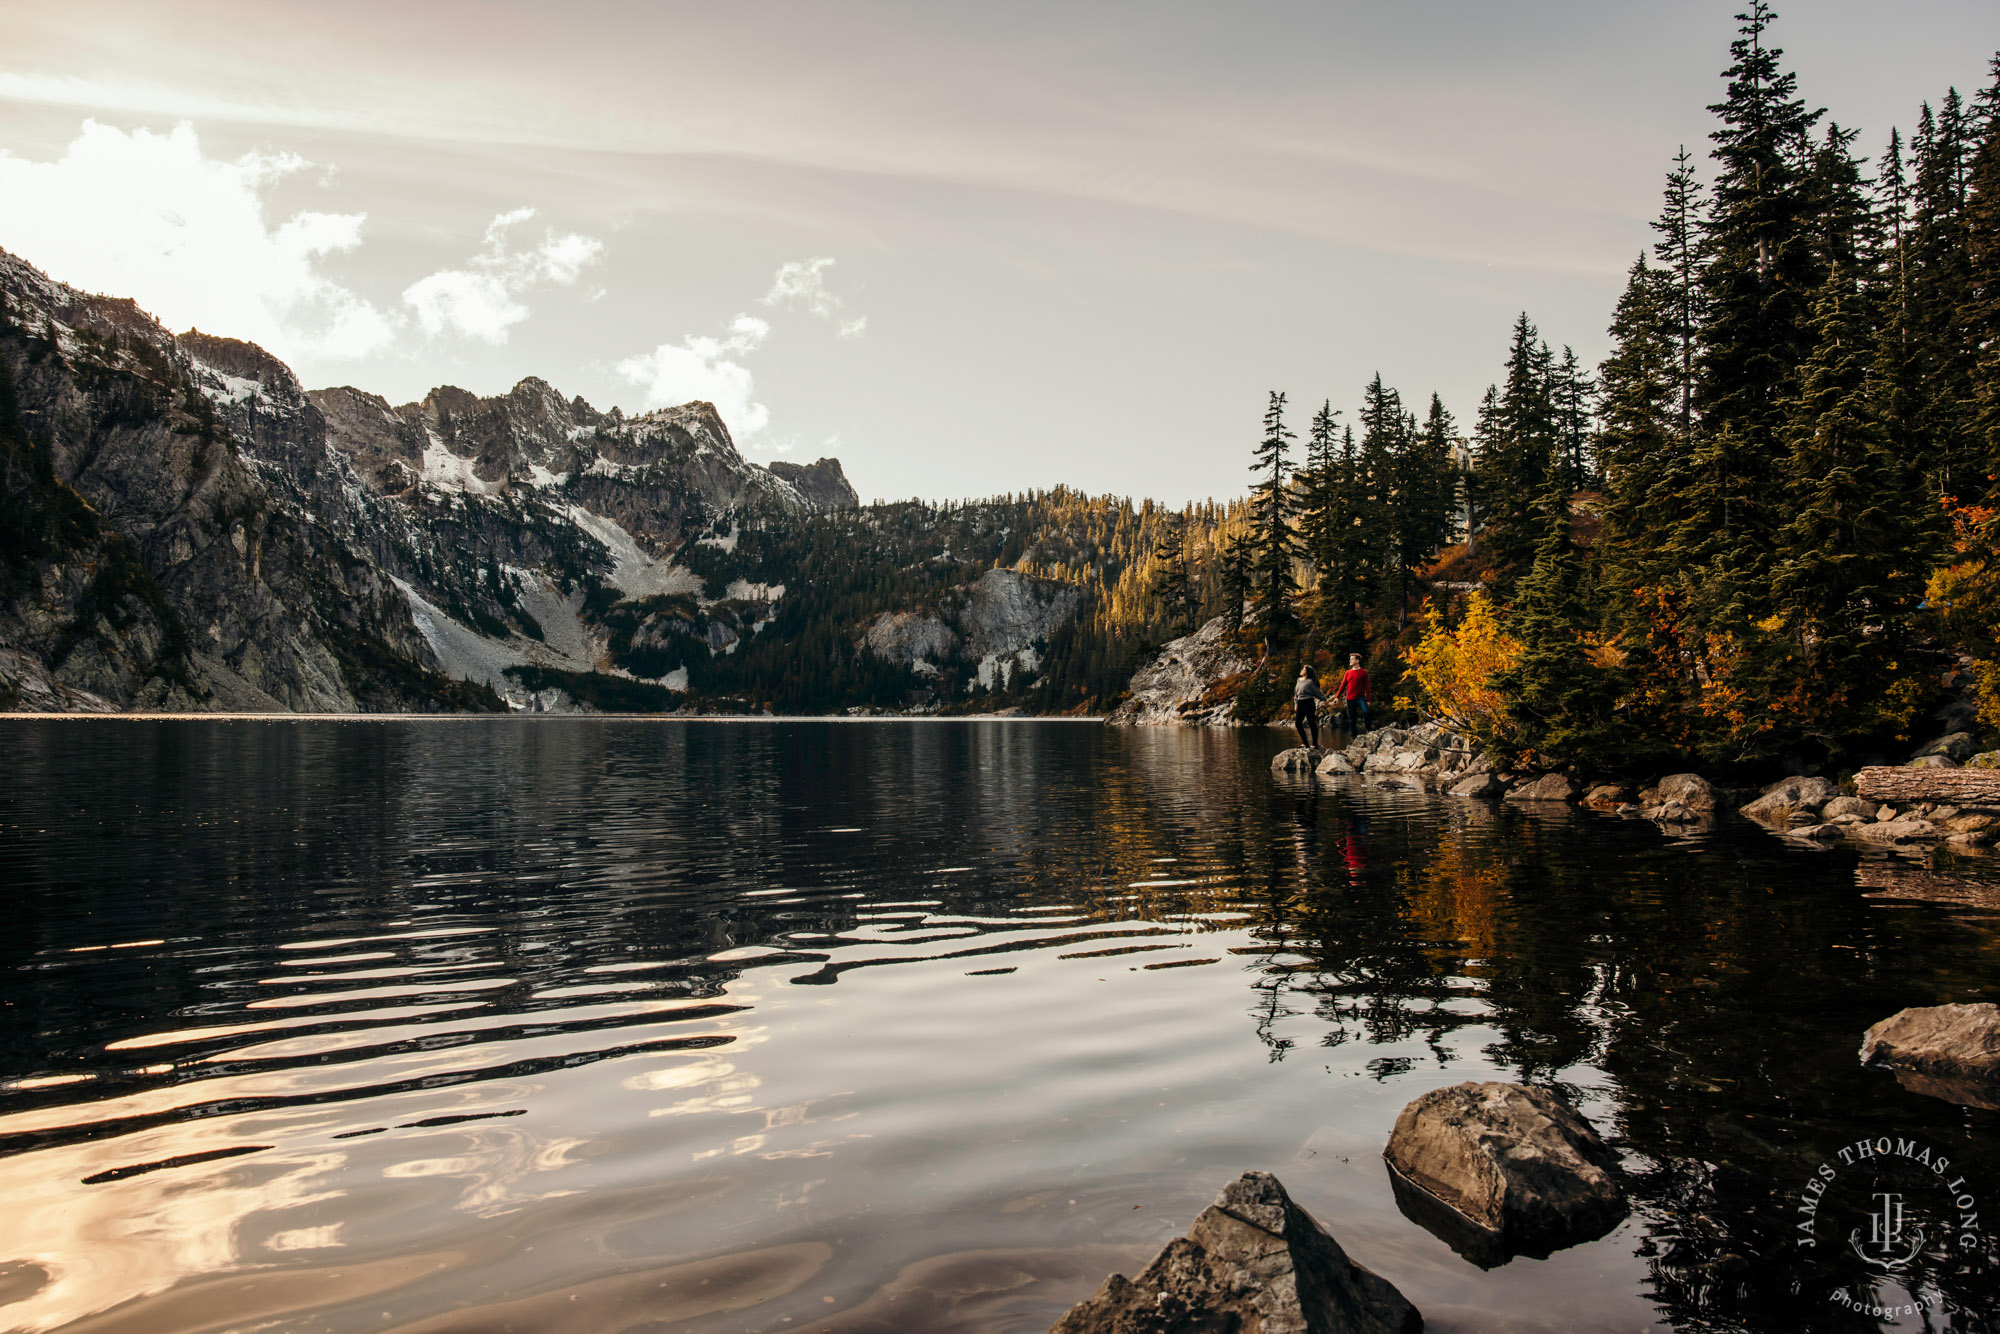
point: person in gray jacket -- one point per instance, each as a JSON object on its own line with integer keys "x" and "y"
{"x": 1305, "y": 713}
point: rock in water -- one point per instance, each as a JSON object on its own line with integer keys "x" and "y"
{"x": 1793, "y": 794}
{"x": 1515, "y": 1163}
{"x": 1479, "y": 785}
{"x": 1297, "y": 760}
{"x": 1253, "y": 1261}
{"x": 1549, "y": 787}
{"x": 1944, "y": 1051}
{"x": 1608, "y": 796}
{"x": 1691, "y": 791}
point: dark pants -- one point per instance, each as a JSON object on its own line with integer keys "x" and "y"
{"x": 1305, "y": 717}
{"x": 1354, "y": 708}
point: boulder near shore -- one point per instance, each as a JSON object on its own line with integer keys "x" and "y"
{"x": 1942, "y": 1051}
{"x": 1516, "y": 1164}
{"x": 1252, "y": 1261}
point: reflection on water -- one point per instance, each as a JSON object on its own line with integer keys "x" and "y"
{"x": 615, "y": 1025}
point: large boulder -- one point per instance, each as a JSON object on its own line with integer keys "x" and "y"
{"x": 1907, "y": 829}
{"x": 1521, "y": 1170}
{"x": 1253, "y": 1263}
{"x": 1608, "y": 796}
{"x": 1549, "y": 787}
{"x": 1848, "y": 808}
{"x": 1689, "y": 791}
{"x": 1945, "y": 1051}
{"x": 1297, "y": 760}
{"x": 1484, "y": 784}
{"x": 1957, "y": 747}
{"x": 1780, "y": 800}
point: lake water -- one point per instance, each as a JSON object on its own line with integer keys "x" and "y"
{"x": 606, "y": 1025}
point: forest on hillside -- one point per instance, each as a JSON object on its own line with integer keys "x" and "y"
{"x": 1765, "y": 529}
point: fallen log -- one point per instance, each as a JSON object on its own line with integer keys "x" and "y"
{"x": 1957, "y": 787}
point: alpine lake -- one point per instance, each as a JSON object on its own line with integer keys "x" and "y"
{"x": 593, "y": 1025}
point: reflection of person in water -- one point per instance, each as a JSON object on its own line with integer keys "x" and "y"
{"x": 1354, "y": 851}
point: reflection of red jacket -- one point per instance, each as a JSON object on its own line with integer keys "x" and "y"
{"x": 1353, "y": 684}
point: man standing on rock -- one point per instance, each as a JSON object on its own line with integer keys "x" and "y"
{"x": 1353, "y": 691}
{"x": 1305, "y": 714}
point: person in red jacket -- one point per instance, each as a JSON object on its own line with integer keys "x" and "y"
{"x": 1353, "y": 692}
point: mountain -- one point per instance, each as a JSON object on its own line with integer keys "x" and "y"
{"x": 186, "y": 528}
{"x": 183, "y": 526}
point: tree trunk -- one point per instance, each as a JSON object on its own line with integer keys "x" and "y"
{"x": 1958, "y": 787}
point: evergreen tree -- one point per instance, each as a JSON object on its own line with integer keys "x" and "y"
{"x": 1425, "y": 491}
{"x": 1345, "y": 582}
{"x": 1271, "y": 506}
{"x": 1757, "y": 279}
{"x": 1940, "y": 290}
{"x": 1173, "y": 580}
{"x": 1979, "y": 316}
{"x": 1571, "y": 395}
{"x": 1238, "y": 575}
{"x": 1679, "y": 253}
{"x": 1319, "y": 488}
{"x": 1639, "y": 412}
{"x": 1560, "y": 701}
{"x": 1844, "y": 583}
{"x": 1517, "y": 441}
{"x": 1378, "y": 583}
{"x": 1897, "y": 371}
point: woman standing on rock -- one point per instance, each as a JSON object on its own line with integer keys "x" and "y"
{"x": 1353, "y": 691}
{"x": 1305, "y": 714}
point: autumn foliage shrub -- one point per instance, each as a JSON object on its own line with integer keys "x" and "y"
{"x": 1454, "y": 669}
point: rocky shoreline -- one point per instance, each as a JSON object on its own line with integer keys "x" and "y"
{"x": 1432, "y": 758}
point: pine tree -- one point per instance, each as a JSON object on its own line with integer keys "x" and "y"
{"x": 1173, "y": 581}
{"x": 1757, "y": 280}
{"x": 1679, "y": 253}
{"x": 1897, "y": 371}
{"x": 1939, "y": 252}
{"x": 1238, "y": 574}
{"x": 1560, "y": 701}
{"x": 1639, "y": 414}
{"x": 1844, "y": 582}
{"x": 1425, "y": 493}
{"x": 1979, "y": 315}
{"x": 1517, "y": 441}
{"x": 1571, "y": 395}
{"x": 1271, "y": 504}
{"x": 1319, "y": 490}
{"x": 1378, "y": 541}
{"x": 1346, "y": 581}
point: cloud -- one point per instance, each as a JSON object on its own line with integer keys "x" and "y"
{"x": 803, "y": 281}
{"x": 700, "y": 367}
{"x": 149, "y": 216}
{"x": 481, "y": 300}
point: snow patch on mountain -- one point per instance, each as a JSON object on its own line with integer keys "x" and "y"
{"x": 447, "y": 471}
{"x": 634, "y": 573}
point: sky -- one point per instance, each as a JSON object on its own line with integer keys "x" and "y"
{"x": 965, "y": 248}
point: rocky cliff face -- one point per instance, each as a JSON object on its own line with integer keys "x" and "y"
{"x": 998, "y": 627}
{"x": 153, "y": 557}
{"x": 187, "y": 528}
{"x": 1188, "y": 682}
